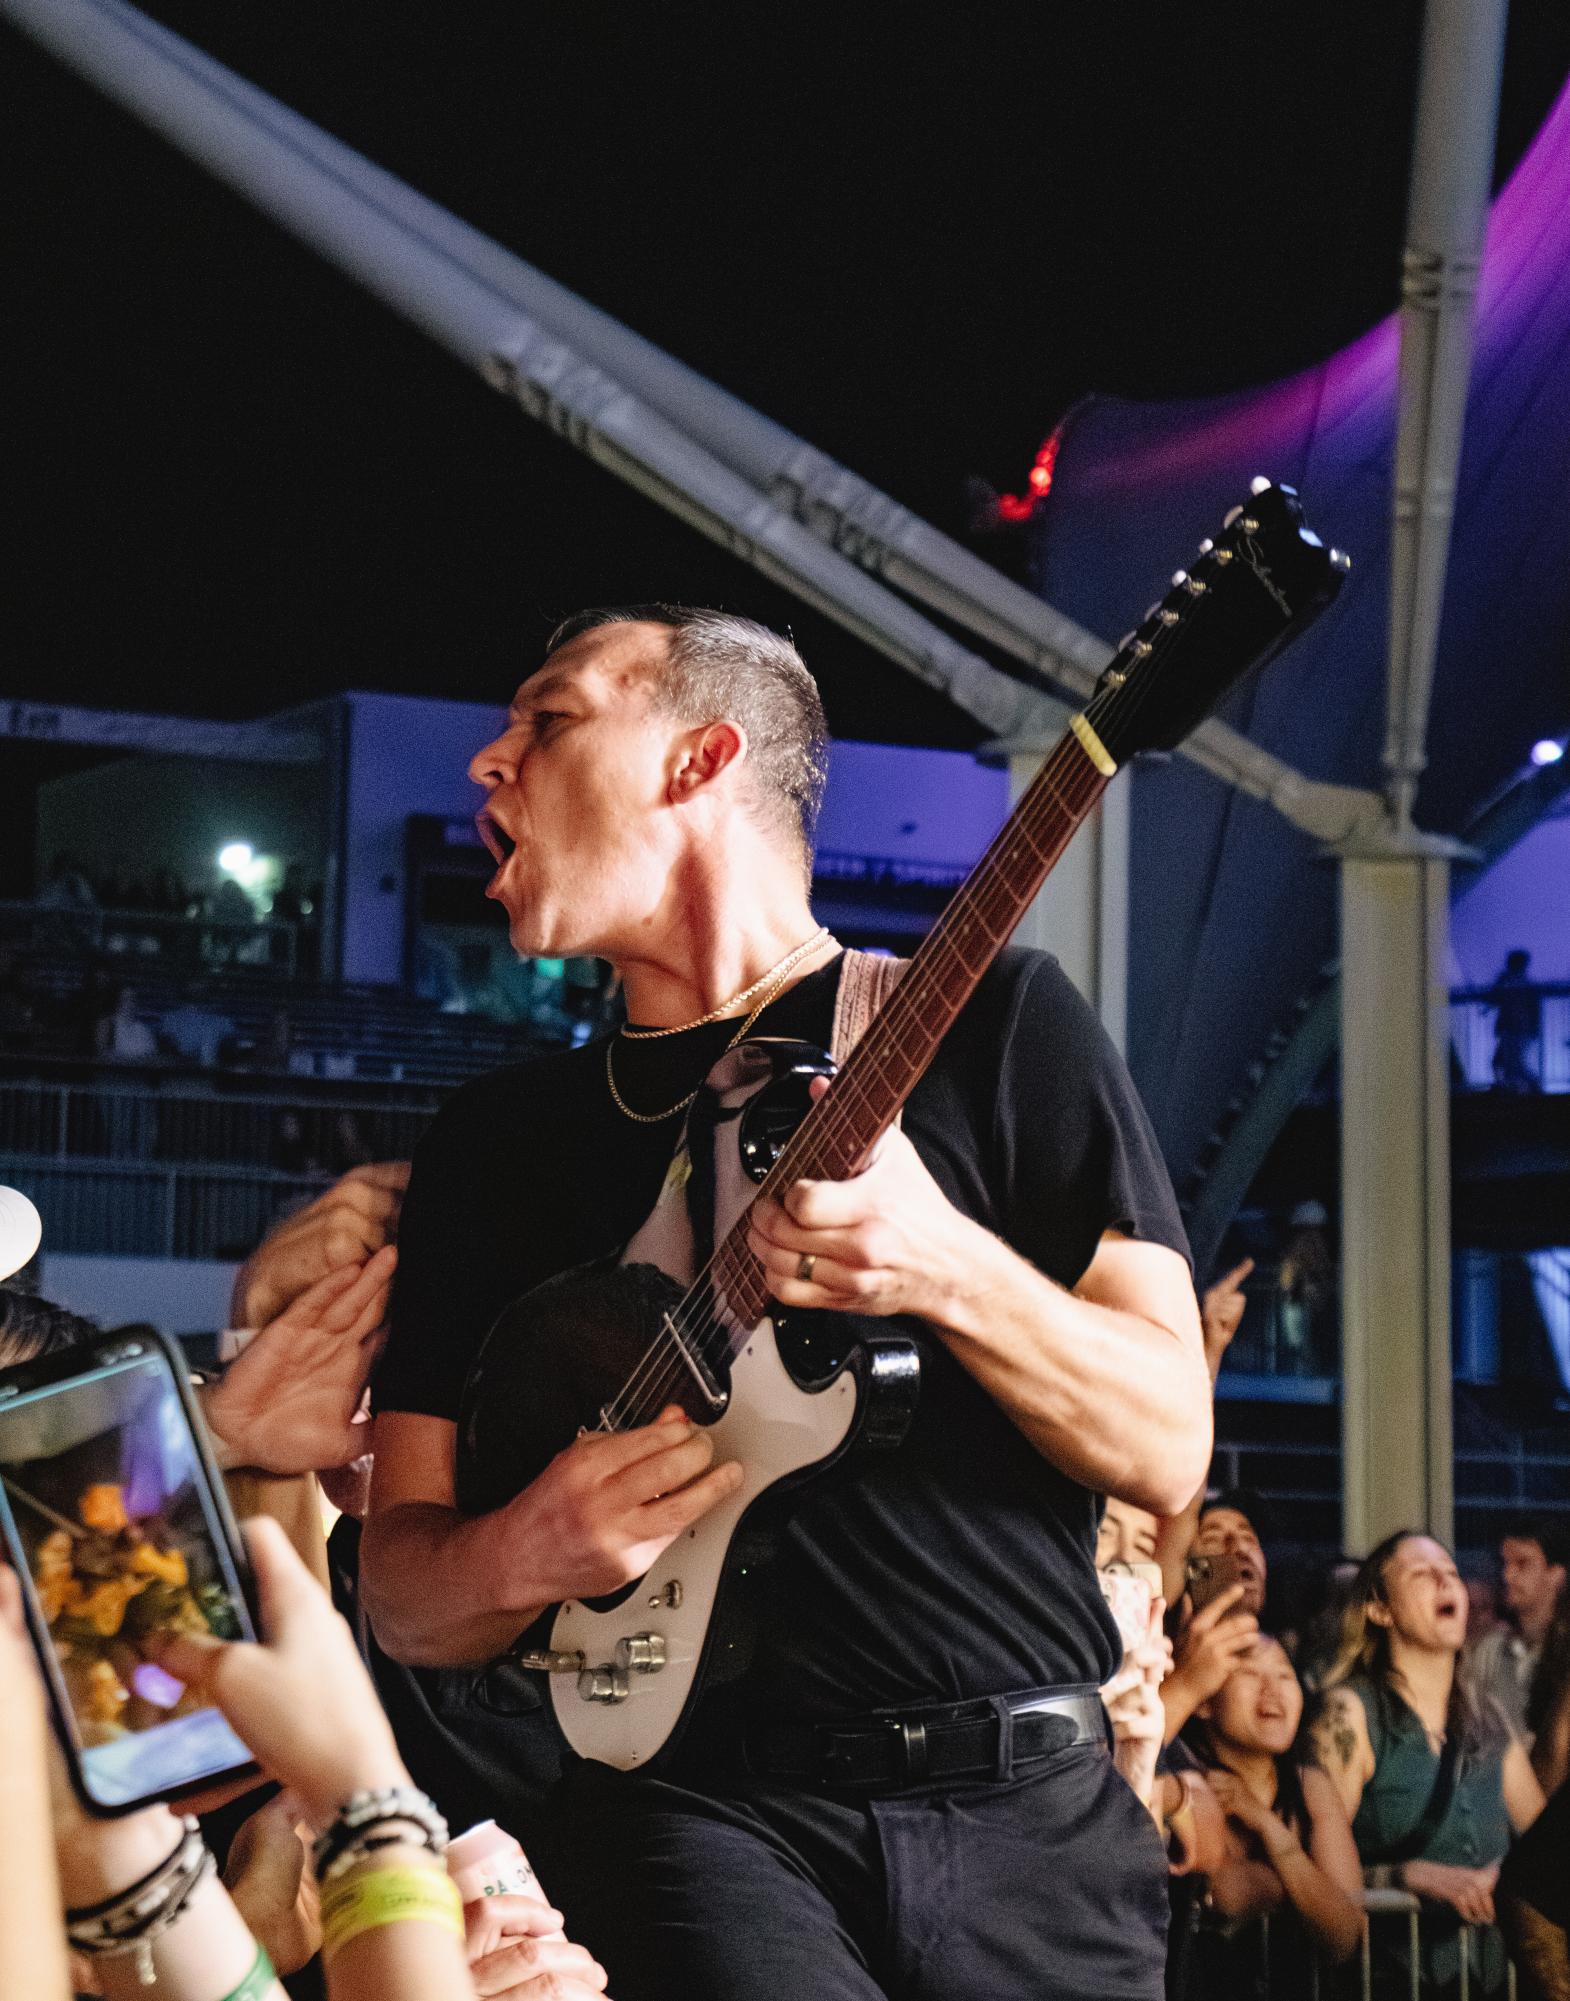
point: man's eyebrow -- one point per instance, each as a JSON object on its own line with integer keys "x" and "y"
{"x": 532, "y": 693}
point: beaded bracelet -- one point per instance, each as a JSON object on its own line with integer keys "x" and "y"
{"x": 365, "y": 1810}
{"x": 135, "y": 1919}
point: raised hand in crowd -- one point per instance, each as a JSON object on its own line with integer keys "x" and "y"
{"x": 289, "y": 1402}
{"x": 1209, "y": 1645}
{"x": 301, "y": 1698}
{"x": 346, "y": 1225}
{"x": 1133, "y": 1704}
{"x": 1221, "y": 1314}
{"x": 268, "y": 1876}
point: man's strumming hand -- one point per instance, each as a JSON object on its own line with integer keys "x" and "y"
{"x": 607, "y": 1506}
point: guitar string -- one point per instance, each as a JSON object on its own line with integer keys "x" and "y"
{"x": 695, "y": 1321}
{"x": 687, "y": 1323}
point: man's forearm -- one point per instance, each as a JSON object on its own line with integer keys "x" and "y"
{"x": 1115, "y": 1401}
{"x": 404, "y": 1549}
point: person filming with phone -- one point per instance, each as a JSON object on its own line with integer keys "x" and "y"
{"x": 1218, "y": 1620}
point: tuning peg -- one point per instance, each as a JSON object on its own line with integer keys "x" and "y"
{"x": 1259, "y": 484}
{"x": 1179, "y": 578}
{"x": 1206, "y": 546}
{"x": 1168, "y": 617}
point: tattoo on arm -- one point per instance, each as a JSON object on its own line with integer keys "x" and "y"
{"x": 1333, "y": 1739}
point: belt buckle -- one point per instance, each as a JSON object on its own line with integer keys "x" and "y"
{"x": 913, "y": 1750}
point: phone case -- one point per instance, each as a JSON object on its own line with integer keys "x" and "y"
{"x": 64, "y": 1368}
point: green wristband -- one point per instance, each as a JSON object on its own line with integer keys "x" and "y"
{"x": 258, "y": 1982}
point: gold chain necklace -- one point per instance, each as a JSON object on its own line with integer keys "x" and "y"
{"x": 774, "y": 977}
{"x": 736, "y": 1000}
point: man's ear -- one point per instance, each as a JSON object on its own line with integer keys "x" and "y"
{"x": 702, "y": 756}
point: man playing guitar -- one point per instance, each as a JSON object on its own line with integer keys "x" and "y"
{"x": 907, "y": 1790}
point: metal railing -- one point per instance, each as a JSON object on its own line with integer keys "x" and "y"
{"x": 1398, "y": 1907}
{"x": 1533, "y": 1051}
{"x": 113, "y": 1209}
{"x": 191, "y": 1125}
{"x": 152, "y": 939}
{"x": 1507, "y": 1478}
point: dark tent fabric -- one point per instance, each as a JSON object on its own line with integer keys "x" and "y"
{"x": 1232, "y": 912}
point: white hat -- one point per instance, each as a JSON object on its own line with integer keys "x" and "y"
{"x": 21, "y": 1231}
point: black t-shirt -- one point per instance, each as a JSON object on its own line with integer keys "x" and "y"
{"x": 959, "y": 1564}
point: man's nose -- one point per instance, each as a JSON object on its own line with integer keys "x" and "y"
{"x": 497, "y": 764}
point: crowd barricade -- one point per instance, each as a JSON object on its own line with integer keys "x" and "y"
{"x": 1386, "y": 1909}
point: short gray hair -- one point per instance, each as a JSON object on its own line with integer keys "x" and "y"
{"x": 723, "y": 668}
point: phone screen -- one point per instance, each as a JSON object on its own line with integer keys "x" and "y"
{"x": 111, "y": 1520}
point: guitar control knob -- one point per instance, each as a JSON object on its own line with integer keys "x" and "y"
{"x": 602, "y": 1684}
{"x": 641, "y": 1653}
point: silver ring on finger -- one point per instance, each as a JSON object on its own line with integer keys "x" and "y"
{"x": 805, "y": 1266}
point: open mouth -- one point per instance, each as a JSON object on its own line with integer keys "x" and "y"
{"x": 495, "y": 836}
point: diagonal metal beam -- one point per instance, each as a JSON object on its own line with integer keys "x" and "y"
{"x": 748, "y": 483}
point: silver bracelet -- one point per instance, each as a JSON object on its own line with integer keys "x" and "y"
{"x": 139, "y": 1916}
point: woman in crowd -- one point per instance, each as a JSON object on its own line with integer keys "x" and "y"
{"x": 1289, "y": 1853}
{"x": 1430, "y": 1776}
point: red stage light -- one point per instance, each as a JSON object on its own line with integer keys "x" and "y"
{"x": 1018, "y": 506}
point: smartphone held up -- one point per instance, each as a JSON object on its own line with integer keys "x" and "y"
{"x": 116, "y": 1522}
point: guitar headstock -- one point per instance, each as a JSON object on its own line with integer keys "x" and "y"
{"x": 1263, "y": 579}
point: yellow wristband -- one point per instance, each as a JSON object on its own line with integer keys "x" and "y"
{"x": 389, "y": 1897}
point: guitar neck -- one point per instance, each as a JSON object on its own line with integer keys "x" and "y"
{"x": 865, "y": 1097}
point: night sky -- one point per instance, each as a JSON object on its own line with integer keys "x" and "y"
{"x": 236, "y": 483}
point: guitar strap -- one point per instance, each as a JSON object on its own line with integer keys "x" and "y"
{"x": 866, "y": 981}
{"x": 706, "y": 1187}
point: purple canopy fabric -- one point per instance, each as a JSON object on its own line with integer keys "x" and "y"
{"x": 1232, "y": 911}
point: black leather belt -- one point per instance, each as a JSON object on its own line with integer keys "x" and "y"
{"x": 993, "y": 1737}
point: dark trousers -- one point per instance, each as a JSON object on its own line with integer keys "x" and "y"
{"x": 1052, "y": 1886}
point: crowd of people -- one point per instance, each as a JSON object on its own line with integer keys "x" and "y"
{"x": 1375, "y": 1745}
